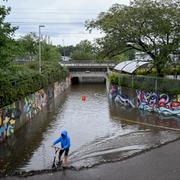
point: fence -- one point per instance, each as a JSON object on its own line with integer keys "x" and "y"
{"x": 149, "y": 83}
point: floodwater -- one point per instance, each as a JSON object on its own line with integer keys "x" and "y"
{"x": 97, "y": 127}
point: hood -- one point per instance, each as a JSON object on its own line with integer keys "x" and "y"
{"x": 64, "y": 133}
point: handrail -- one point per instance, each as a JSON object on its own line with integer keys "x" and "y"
{"x": 86, "y": 62}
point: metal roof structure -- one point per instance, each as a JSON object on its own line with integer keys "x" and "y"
{"x": 130, "y": 66}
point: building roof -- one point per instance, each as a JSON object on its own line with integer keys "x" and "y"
{"x": 130, "y": 66}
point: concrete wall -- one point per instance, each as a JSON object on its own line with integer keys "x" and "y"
{"x": 173, "y": 77}
{"x": 92, "y": 79}
{"x": 162, "y": 103}
{"x": 89, "y": 77}
{"x": 14, "y": 116}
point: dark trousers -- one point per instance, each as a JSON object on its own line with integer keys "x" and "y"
{"x": 62, "y": 151}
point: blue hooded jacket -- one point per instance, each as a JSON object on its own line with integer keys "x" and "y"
{"x": 65, "y": 141}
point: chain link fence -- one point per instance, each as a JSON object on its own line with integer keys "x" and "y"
{"x": 150, "y": 83}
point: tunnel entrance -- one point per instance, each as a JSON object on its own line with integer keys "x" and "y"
{"x": 74, "y": 80}
{"x": 104, "y": 80}
{"x": 88, "y": 80}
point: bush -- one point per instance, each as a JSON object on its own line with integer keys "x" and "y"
{"x": 114, "y": 79}
{"x": 146, "y": 83}
{"x": 23, "y": 80}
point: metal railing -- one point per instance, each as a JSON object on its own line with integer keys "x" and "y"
{"x": 149, "y": 83}
{"x": 86, "y": 62}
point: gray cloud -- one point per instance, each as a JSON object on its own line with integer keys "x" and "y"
{"x": 63, "y": 19}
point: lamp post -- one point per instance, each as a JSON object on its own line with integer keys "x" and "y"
{"x": 63, "y": 50}
{"x": 40, "y": 26}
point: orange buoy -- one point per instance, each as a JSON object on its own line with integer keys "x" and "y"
{"x": 83, "y": 98}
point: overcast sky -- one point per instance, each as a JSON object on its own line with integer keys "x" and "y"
{"x": 63, "y": 19}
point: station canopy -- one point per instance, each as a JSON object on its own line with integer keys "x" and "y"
{"x": 130, "y": 66}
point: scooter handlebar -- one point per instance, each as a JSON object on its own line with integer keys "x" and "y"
{"x": 56, "y": 148}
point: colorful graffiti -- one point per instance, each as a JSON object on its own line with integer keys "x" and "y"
{"x": 8, "y": 117}
{"x": 161, "y": 103}
{"x": 165, "y": 104}
{"x": 117, "y": 96}
{"x": 146, "y": 101}
{"x": 57, "y": 89}
{"x": 34, "y": 103}
{"x": 13, "y": 116}
{"x": 60, "y": 87}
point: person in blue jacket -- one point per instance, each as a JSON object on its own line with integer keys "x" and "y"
{"x": 65, "y": 145}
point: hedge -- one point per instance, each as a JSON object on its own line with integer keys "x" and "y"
{"x": 147, "y": 83}
{"x": 23, "y": 80}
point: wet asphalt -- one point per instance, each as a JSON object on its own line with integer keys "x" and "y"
{"x": 158, "y": 164}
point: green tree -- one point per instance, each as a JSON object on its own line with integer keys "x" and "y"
{"x": 7, "y": 43}
{"x": 145, "y": 25}
{"x": 120, "y": 57}
{"x": 83, "y": 51}
{"x": 28, "y": 46}
{"x": 66, "y": 50}
{"x": 50, "y": 53}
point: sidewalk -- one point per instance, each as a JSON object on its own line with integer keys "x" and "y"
{"x": 158, "y": 164}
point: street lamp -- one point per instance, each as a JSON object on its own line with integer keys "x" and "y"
{"x": 40, "y": 26}
{"x": 63, "y": 51}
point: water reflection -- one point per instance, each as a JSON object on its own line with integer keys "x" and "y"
{"x": 18, "y": 150}
{"x": 97, "y": 127}
{"x": 123, "y": 112}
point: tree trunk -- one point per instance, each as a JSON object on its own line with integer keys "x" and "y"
{"x": 159, "y": 70}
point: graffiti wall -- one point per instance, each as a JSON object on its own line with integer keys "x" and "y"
{"x": 34, "y": 103}
{"x": 8, "y": 117}
{"x": 118, "y": 96}
{"x": 162, "y": 103}
{"x": 59, "y": 87}
{"x": 17, "y": 114}
{"x": 159, "y": 102}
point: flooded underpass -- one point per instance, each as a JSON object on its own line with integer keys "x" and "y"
{"x": 100, "y": 131}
